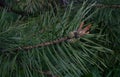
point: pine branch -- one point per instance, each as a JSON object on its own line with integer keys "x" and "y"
{"x": 73, "y": 35}
{"x": 44, "y": 44}
{"x": 48, "y": 73}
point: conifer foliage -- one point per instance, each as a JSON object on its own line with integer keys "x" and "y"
{"x": 47, "y": 38}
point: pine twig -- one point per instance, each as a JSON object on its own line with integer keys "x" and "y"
{"x": 75, "y": 34}
{"x": 44, "y": 44}
{"x": 47, "y": 73}
{"x": 57, "y": 41}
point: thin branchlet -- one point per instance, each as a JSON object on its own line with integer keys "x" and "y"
{"x": 57, "y": 41}
{"x": 75, "y": 34}
{"x": 47, "y": 43}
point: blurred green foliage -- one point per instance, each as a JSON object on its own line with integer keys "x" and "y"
{"x": 94, "y": 55}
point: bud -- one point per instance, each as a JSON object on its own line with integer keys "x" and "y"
{"x": 72, "y": 34}
{"x": 72, "y": 37}
{"x": 73, "y": 40}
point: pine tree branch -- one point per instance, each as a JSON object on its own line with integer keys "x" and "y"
{"x": 73, "y": 35}
{"x": 44, "y": 44}
{"x": 45, "y": 72}
{"x": 48, "y": 73}
{"x": 49, "y": 43}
